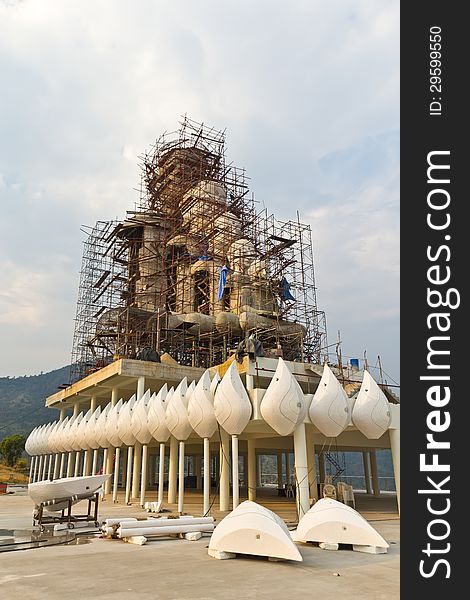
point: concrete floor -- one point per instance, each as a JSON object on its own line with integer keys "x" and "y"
{"x": 178, "y": 569}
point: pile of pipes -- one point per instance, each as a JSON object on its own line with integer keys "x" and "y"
{"x": 137, "y": 532}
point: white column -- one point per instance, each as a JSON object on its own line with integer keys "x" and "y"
{"x": 224, "y": 471}
{"x": 365, "y": 460}
{"x": 56, "y": 467}
{"x": 235, "y": 477}
{"x": 63, "y": 412}
{"x": 77, "y": 463}
{"x": 31, "y": 469}
{"x": 39, "y": 477}
{"x": 252, "y": 470}
{"x": 93, "y": 404}
{"x": 95, "y": 461}
{"x": 106, "y": 489}
{"x": 138, "y": 446}
{"x": 129, "y": 475}
{"x": 172, "y": 470}
{"x": 109, "y": 453}
{"x": 62, "y": 464}
{"x": 181, "y": 478}
{"x": 70, "y": 463}
{"x": 207, "y": 477}
{"x": 301, "y": 470}
{"x": 161, "y": 472}
{"x": 395, "y": 447}
{"x": 87, "y": 463}
{"x": 116, "y": 472}
{"x": 136, "y": 470}
{"x": 143, "y": 481}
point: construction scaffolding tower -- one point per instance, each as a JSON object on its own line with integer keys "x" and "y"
{"x": 195, "y": 269}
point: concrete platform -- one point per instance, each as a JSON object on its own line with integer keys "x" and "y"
{"x": 179, "y": 569}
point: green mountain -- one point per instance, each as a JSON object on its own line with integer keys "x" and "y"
{"x": 22, "y": 400}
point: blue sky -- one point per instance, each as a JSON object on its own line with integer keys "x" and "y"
{"x": 308, "y": 92}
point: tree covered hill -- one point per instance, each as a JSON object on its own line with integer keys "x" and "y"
{"x": 22, "y": 401}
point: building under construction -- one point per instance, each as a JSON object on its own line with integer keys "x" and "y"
{"x": 197, "y": 278}
{"x": 195, "y": 269}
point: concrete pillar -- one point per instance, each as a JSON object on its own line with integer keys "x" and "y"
{"x": 116, "y": 473}
{"x": 63, "y": 414}
{"x": 395, "y": 447}
{"x": 375, "y": 474}
{"x": 172, "y": 470}
{"x": 93, "y": 404}
{"x": 129, "y": 474}
{"x": 95, "y": 461}
{"x": 365, "y": 460}
{"x": 140, "y": 387}
{"x": 181, "y": 478}
{"x": 87, "y": 463}
{"x": 70, "y": 464}
{"x": 235, "y": 476}
{"x": 31, "y": 469}
{"x": 104, "y": 470}
{"x": 56, "y": 467}
{"x": 40, "y": 469}
{"x": 76, "y": 409}
{"x": 288, "y": 467}
{"x": 77, "y": 463}
{"x": 198, "y": 471}
{"x": 49, "y": 468}
{"x": 252, "y": 470}
{"x": 62, "y": 464}
{"x": 224, "y": 497}
{"x": 143, "y": 481}
{"x": 311, "y": 464}
{"x": 301, "y": 470}
{"x": 207, "y": 477}
{"x": 138, "y": 446}
{"x": 136, "y": 469}
{"x": 161, "y": 472}
{"x": 279, "y": 469}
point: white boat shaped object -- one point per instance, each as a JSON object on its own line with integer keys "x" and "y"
{"x": 329, "y": 409}
{"x": 232, "y": 406}
{"x": 58, "y": 491}
{"x": 283, "y": 405}
{"x": 371, "y": 412}
{"x": 201, "y": 409}
{"x": 331, "y": 522}
{"x": 254, "y": 529}
{"x": 176, "y": 416}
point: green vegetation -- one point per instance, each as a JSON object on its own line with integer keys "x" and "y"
{"x": 11, "y": 449}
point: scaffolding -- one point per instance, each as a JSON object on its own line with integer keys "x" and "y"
{"x": 194, "y": 270}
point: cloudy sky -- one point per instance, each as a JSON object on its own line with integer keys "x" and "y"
{"x": 308, "y": 91}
